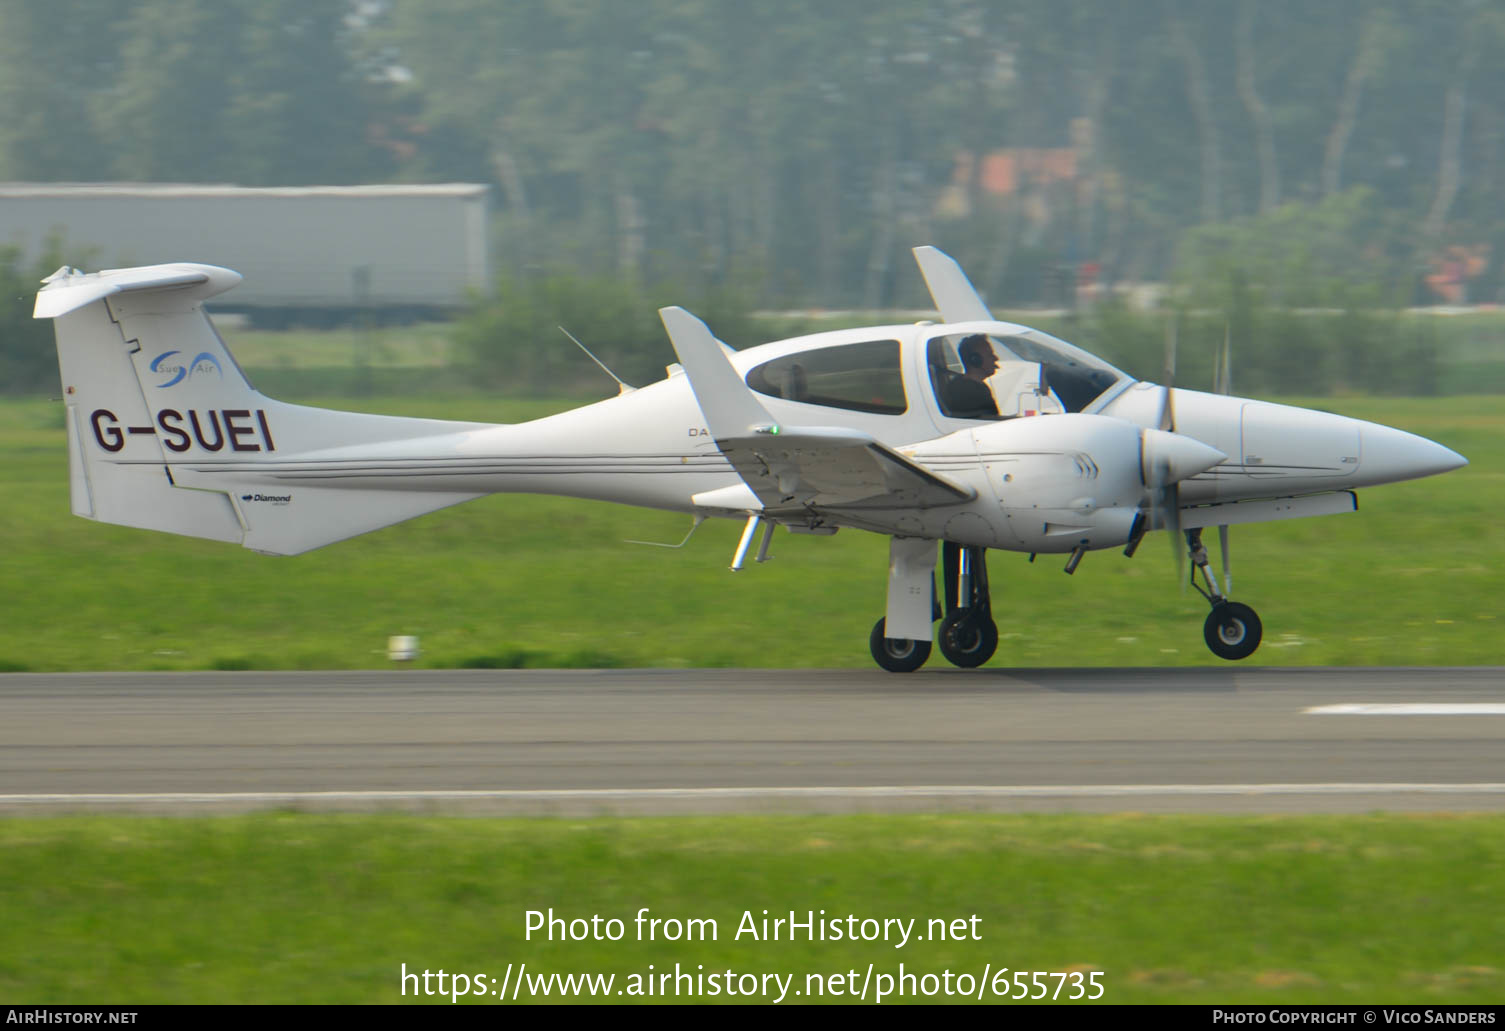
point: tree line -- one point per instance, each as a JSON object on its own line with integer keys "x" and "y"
{"x": 798, "y": 150}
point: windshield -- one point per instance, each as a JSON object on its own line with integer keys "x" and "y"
{"x": 1077, "y": 377}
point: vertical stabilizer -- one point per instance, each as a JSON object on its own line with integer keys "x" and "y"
{"x": 166, "y": 433}
{"x": 117, "y": 470}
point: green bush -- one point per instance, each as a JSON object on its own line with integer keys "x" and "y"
{"x": 28, "y": 361}
{"x": 1274, "y": 350}
{"x": 514, "y": 343}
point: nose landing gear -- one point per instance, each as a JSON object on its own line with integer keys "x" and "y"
{"x": 1232, "y": 630}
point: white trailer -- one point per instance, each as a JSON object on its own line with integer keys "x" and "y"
{"x": 305, "y": 251}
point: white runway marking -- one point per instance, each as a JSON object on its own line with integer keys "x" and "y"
{"x": 607, "y": 795}
{"x": 1410, "y": 709}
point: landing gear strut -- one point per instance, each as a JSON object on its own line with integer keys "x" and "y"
{"x": 1232, "y": 630}
{"x": 900, "y": 641}
{"x": 968, "y": 636}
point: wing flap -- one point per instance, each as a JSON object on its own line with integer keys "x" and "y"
{"x": 792, "y": 470}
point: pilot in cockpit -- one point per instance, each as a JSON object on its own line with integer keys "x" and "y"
{"x": 968, "y": 395}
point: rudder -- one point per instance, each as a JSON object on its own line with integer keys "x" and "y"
{"x": 117, "y": 469}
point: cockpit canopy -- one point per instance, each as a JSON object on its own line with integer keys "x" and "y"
{"x": 1023, "y": 372}
{"x": 982, "y": 371}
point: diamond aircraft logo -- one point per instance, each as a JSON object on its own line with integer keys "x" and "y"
{"x": 203, "y": 363}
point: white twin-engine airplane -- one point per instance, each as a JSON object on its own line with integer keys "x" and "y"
{"x": 972, "y": 432}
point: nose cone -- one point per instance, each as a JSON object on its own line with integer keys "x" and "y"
{"x": 1169, "y": 457}
{"x": 1391, "y": 455}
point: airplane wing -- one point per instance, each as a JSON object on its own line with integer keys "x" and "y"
{"x": 816, "y": 467}
{"x": 953, "y": 293}
{"x": 795, "y": 468}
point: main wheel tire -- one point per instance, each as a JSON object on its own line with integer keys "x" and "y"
{"x": 1232, "y": 630}
{"x": 897, "y": 655}
{"x": 968, "y": 638}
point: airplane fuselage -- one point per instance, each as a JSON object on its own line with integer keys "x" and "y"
{"x": 979, "y": 433}
{"x": 1037, "y": 487}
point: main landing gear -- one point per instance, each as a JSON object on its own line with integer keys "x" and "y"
{"x": 967, "y": 635}
{"x": 897, "y": 654}
{"x": 1232, "y": 630}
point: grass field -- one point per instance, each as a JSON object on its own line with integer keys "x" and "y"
{"x": 286, "y": 908}
{"x": 306, "y": 908}
{"x": 1414, "y": 577}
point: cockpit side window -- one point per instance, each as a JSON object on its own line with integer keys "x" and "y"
{"x": 862, "y": 377}
{"x": 958, "y": 370}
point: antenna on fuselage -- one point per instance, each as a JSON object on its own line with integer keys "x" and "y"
{"x": 623, "y": 388}
{"x": 659, "y": 544}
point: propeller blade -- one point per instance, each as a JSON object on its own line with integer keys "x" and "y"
{"x": 1167, "y": 420}
{"x": 1165, "y": 513}
{"x": 1227, "y": 576}
{"x": 1173, "y": 531}
{"x": 1165, "y": 459}
{"x": 1168, "y": 372}
{"x": 1222, "y": 373}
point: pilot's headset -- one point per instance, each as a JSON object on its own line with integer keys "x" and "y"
{"x": 972, "y": 350}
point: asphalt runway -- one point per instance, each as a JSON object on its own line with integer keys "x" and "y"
{"x": 572, "y": 742}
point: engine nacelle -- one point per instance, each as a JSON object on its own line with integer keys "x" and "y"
{"x": 1060, "y": 482}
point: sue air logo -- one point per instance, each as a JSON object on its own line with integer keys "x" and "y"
{"x": 177, "y": 371}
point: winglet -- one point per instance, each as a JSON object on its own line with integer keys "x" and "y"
{"x": 729, "y": 408}
{"x": 953, "y": 293}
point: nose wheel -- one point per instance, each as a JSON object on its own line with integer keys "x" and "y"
{"x": 1232, "y": 630}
